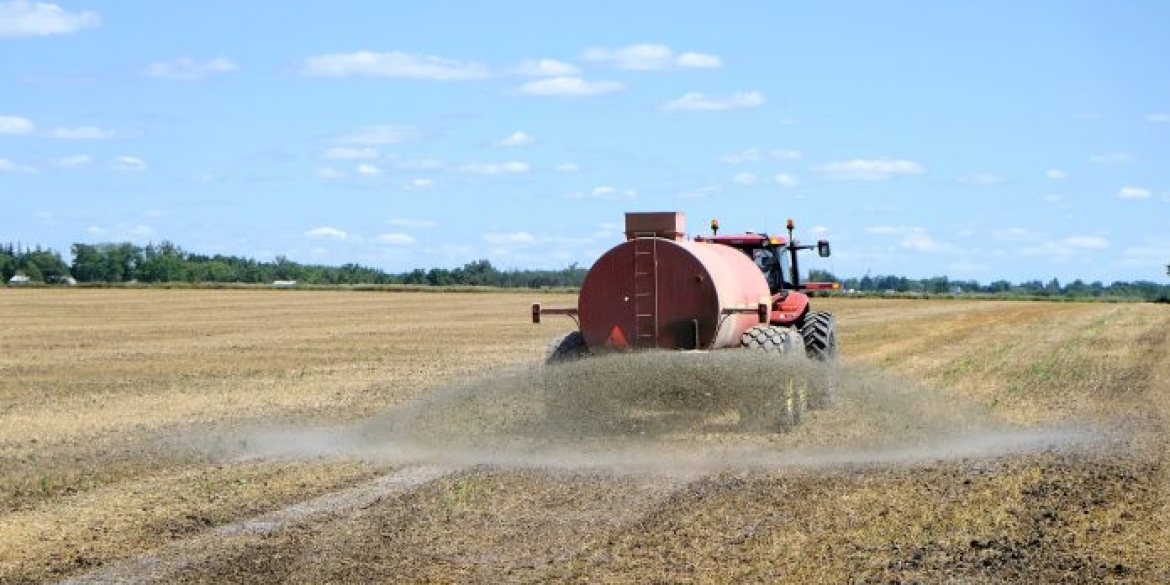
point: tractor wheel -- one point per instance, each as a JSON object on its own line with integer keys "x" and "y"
{"x": 769, "y": 338}
{"x": 820, "y": 336}
{"x": 568, "y": 347}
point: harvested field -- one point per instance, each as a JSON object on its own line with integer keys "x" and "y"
{"x": 294, "y": 436}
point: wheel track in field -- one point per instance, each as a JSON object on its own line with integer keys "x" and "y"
{"x": 166, "y": 563}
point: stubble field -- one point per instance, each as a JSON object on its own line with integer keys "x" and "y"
{"x": 266, "y": 436}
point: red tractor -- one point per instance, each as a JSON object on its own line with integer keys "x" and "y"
{"x": 658, "y": 289}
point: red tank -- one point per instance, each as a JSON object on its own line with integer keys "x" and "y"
{"x": 658, "y": 290}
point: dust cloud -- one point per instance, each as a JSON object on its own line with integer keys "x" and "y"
{"x": 674, "y": 411}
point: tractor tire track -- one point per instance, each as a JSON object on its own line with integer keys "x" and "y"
{"x": 167, "y": 563}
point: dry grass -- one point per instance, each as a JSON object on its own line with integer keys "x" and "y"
{"x": 100, "y": 390}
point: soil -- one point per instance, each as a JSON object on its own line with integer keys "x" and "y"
{"x": 416, "y": 438}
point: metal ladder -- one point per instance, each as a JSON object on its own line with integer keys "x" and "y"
{"x": 645, "y": 290}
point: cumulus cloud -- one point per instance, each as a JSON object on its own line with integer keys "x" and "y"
{"x": 350, "y": 153}
{"x": 744, "y": 178}
{"x": 326, "y": 233}
{"x": 650, "y": 57}
{"x": 516, "y": 139}
{"x": 606, "y": 193}
{"x": 568, "y": 86}
{"x": 750, "y": 155}
{"x": 188, "y": 69}
{"x": 1056, "y": 174}
{"x": 698, "y": 102}
{"x": 505, "y": 168}
{"x": 418, "y": 184}
{"x": 78, "y": 160}
{"x": 1158, "y": 118}
{"x": 377, "y": 135}
{"x": 7, "y": 166}
{"x": 129, "y": 163}
{"x": 20, "y": 18}
{"x": 83, "y": 133}
{"x": 1089, "y": 242}
{"x": 396, "y": 239}
{"x": 786, "y": 180}
{"x": 392, "y": 64}
{"x": 871, "y": 169}
{"x": 1111, "y": 158}
{"x": 545, "y": 68}
{"x": 368, "y": 170}
{"x": 13, "y": 125}
{"x": 329, "y": 173}
{"x": 509, "y": 238}
{"x": 701, "y": 192}
{"x": 1134, "y": 193}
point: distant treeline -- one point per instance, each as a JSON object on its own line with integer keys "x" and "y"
{"x": 168, "y": 263}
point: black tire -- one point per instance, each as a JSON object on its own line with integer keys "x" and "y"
{"x": 820, "y": 336}
{"x": 568, "y": 347}
{"x": 770, "y": 338}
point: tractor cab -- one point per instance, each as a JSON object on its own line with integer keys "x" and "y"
{"x": 768, "y": 252}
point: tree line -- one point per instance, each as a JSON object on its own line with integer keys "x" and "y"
{"x": 114, "y": 263}
{"x": 119, "y": 263}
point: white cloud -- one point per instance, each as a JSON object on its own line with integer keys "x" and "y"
{"x": 188, "y": 69}
{"x": 920, "y": 240}
{"x": 326, "y": 233}
{"x": 77, "y": 160}
{"x": 350, "y": 153}
{"x": 1111, "y": 158}
{"x": 650, "y": 57}
{"x": 744, "y": 178}
{"x": 329, "y": 173}
{"x": 421, "y": 164}
{"x": 1056, "y": 174}
{"x": 885, "y": 230}
{"x": 749, "y": 155}
{"x": 1089, "y": 242}
{"x": 566, "y": 86}
{"x": 376, "y": 135}
{"x": 396, "y": 239}
{"x": 567, "y": 168}
{"x": 1158, "y": 118}
{"x": 698, "y": 102}
{"x": 7, "y": 166}
{"x": 83, "y": 133}
{"x": 516, "y": 139}
{"x": 699, "y": 60}
{"x": 20, "y": 18}
{"x": 13, "y": 125}
{"x": 871, "y": 169}
{"x": 545, "y": 68}
{"x": 1134, "y": 193}
{"x": 418, "y": 184}
{"x": 368, "y": 170}
{"x": 505, "y": 168}
{"x": 129, "y": 163}
{"x": 392, "y": 64}
{"x": 509, "y": 238}
{"x": 606, "y": 193}
{"x": 981, "y": 179}
{"x": 786, "y": 180}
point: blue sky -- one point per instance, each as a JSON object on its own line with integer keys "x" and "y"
{"x": 983, "y": 140}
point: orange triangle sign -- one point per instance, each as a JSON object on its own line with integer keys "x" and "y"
{"x": 617, "y": 338}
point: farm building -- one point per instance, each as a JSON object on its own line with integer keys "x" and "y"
{"x": 19, "y": 280}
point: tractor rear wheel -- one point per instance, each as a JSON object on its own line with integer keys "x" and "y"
{"x": 568, "y": 347}
{"x": 769, "y": 338}
{"x": 820, "y": 336}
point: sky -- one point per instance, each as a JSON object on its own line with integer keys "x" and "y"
{"x": 981, "y": 140}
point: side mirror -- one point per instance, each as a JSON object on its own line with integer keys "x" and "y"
{"x": 823, "y": 248}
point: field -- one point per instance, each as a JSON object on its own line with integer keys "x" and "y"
{"x": 249, "y": 436}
